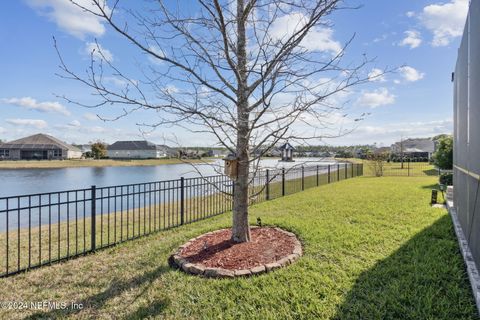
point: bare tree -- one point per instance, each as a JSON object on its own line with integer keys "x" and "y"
{"x": 376, "y": 162}
{"x": 234, "y": 75}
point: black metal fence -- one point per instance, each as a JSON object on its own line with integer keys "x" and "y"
{"x": 44, "y": 228}
{"x": 401, "y": 169}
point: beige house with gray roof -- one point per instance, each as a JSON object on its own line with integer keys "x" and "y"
{"x": 38, "y": 147}
{"x": 140, "y": 149}
{"x": 420, "y": 147}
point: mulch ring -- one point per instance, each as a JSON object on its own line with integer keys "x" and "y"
{"x": 215, "y": 255}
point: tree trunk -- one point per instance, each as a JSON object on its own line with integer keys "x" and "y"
{"x": 240, "y": 228}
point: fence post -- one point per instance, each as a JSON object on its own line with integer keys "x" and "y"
{"x": 346, "y": 171}
{"x": 352, "y": 171}
{"x": 317, "y": 176}
{"x": 303, "y": 178}
{"x": 338, "y": 172}
{"x": 283, "y": 181}
{"x": 93, "y": 217}
{"x": 182, "y": 200}
{"x": 408, "y": 166}
{"x": 267, "y": 185}
{"x": 328, "y": 174}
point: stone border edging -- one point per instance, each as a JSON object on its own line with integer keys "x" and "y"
{"x": 472, "y": 270}
{"x": 198, "y": 269}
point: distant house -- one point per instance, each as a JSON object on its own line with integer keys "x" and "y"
{"x": 414, "y": 148}
{"x": 382, "y": 150}
{"x": 324, "y": 154}
{"x": 141, "y": 149}
{"x": 85, "y": 148}
{"x": 38, "y": 147}
{"x": 275, "y": 152}
{"x": 218, "y": 153}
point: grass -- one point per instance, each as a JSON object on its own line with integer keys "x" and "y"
{"x": 413, "y": 169}
{"x": 374, "y": 249}
{"x": 72, "y": 163}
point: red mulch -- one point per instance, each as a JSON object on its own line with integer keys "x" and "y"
{"x": 216, "y": 250}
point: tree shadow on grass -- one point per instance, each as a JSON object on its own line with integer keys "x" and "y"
{"x": 431, "y": 186}
{"x": 424, "y": 279}
{"x": 116, "y": 288}
{"x": 431, "y": 172}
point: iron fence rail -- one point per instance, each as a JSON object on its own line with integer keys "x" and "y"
{"x": 44, "y": 228}
{"x": 399, "y": 169}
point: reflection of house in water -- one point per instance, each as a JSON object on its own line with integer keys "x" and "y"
{"x": 287, "y": 152}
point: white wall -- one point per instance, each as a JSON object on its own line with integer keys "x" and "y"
{"x": 135, "y": 154}
{"x": 73, "y": 154}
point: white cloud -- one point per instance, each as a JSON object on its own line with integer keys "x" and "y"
{"x": 39, "y": 124}
{"x": 381, "y": 38}
{"x": 445, "y": 20}
{"x": 2, "y": 130}
{"x": 75, "y": 123}
{"x": 377, "y": 75}
{"x": 96, "y": 129}
{"x": 32, "y": 104}
{"x": 377, "y": 98}
{"x": 171, "y": 89}
{"x": 158, "y": 52}
{"x": 388, "y": 133}
{"x": 70, "y": 17}
{"x": 75, "y": 126}
{"x": 410, "y": 14}
{"x": 411, "y": 74}
{"x": 412, "y": 39}
{"x": 99, "y": 52}
{"x": 90, "y": 116}
{"x": 318, "y": 39}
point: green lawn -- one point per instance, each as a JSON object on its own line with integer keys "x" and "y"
{"x": 374, "y": 249}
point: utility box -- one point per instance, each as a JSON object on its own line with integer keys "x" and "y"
{"x": 231, "y": 166}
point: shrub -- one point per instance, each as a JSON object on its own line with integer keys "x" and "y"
{"x": 377, "y": 162}
{"x": 443, "y": 157}
{"x": 99, "y": 150}
{"x": 446, "y": 179}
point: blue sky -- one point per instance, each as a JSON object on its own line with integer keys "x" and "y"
{"x": 416, "y": 101}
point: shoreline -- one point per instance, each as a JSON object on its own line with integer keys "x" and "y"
{"x": 60, "y": 164}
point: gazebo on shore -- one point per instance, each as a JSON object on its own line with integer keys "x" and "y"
{"x": 287, "y": 152}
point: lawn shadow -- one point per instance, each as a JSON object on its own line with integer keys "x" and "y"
{"x": 424, "y": 279}
{"x": 150, "y": 311}
{"x": 431, "y": 172}
{"x": 435, "y": 186}
{"x": 117, "y": 288}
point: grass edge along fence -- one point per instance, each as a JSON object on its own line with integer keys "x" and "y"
{"x": 45, "y": 228}
{"x": 398, "y": 169}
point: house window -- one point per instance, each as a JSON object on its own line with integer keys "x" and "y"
{"x": 57, "y": 153}
{"x": 4, "y": 153}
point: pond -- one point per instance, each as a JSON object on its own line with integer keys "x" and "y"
{"x": 28, "y": 181}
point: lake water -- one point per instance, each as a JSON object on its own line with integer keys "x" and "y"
{"x": 28, "y": 181}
